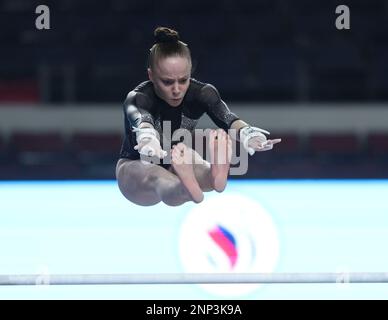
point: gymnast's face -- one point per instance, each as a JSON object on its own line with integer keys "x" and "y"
{"x": 171, "y": 79}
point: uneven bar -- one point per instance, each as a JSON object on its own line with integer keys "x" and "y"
{"x": 191, "y": 278}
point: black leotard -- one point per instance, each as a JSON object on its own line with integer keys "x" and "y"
{"x": 143, "y": 105}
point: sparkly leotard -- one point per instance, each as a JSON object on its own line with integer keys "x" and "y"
{"x": 143, "y": 105}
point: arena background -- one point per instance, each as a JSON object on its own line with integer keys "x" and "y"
{"x": 281, "y": 65}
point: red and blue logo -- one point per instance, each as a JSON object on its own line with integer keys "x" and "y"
{"x": 228, "y": 234}
{"x": 227, "y": 243}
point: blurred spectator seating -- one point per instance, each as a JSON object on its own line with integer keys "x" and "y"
{"x": 334, "y": 145}
{"x": 289, "y": 147}
{"x": 2, "y": 150}
{"x": 38, "y": 156}
{"x": 93, "y": 155}
{"x": 377, "y": 145}
{"x": 19, "y": 91}
{"x": 90, "y": 148}
{"x": 28, "y": 148}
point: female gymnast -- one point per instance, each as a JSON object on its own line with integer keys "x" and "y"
{"x": 172, "y": 95}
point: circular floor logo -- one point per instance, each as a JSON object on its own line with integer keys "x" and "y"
{"x": 229, "y": 234}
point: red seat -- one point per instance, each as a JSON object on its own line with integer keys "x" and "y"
{"x": 19, "y": 91}
{"x": 2, "y": 145}
{"x": 96, "y": 142}
{"x": 290, "y": 142}
{"x": 377, "y": 143}
{"x": 37, "y": 142}
{"x": 33, "y": 149}
{"x": 336, "y": 144}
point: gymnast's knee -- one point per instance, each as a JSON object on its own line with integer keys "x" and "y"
{"x": 174, "y": 195}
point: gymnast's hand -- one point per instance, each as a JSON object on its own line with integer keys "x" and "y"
{"x": 150, "y": 147}
{"x": 253, "y": 139}
{"x": 148, "y": 143}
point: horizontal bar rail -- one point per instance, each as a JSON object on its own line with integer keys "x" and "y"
{"x": 190, "y": 278}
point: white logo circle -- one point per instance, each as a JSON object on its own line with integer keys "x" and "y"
{"x": 229, "y": 233}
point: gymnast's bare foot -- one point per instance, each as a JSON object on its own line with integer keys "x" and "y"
{"x": 220, "y": 156}
{"x": 182, "y": 163}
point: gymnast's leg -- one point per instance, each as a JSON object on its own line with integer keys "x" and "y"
{"x": 212, "y": 175}
{"x": 147, "y": 184}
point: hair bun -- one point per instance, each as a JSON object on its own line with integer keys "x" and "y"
{"x": 165, "y": 35}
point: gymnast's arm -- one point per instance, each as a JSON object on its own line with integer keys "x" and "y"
{"x": 137, "y": 110}
{"x": 252, "y": 138}
{"x": 216, "y": 108}
{"x": 219, "y": 112}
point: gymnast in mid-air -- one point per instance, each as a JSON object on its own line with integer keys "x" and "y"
{"x": 172, "y": 96}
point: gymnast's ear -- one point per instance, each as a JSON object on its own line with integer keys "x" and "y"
{"x": 150, "y": 74}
